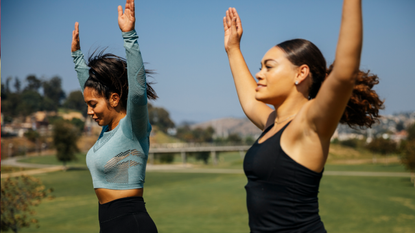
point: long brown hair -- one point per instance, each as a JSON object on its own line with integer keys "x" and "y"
{"x": 108, "y": 74}
{"x": 364, "y": 104}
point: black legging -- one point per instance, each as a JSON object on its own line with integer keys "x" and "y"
{"x": 125, "y": 215}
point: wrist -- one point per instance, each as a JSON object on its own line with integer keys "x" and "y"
{"x": 233, "y": 49}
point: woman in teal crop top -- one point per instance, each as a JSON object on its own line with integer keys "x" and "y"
{"x": 116, "y": 93}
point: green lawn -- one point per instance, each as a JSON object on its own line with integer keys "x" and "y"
{"x": 180, "y": 202}
{"x": 52, "y": 160}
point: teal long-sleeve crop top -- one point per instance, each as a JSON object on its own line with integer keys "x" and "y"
{"x": 118, "y": 158}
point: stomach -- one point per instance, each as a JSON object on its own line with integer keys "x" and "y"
{"x": 107, "y": 195}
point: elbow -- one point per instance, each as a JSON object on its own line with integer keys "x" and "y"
{"x": 346, "y": 73}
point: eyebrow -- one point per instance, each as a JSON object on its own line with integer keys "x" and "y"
{"x": 89, "y": 101}
{"x": 270, "y": 60}
{"x": 265, "y": 62}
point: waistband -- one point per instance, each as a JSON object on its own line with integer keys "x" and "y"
{"x": 121, "y": 207}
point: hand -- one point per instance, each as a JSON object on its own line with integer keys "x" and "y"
{"x": 126, "y": 21}
{"x": 76, "y": 45}
{"x": 233, "y": 29}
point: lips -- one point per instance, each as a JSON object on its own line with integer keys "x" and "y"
{"x": 259, "y": 86}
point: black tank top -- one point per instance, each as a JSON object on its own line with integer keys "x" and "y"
{"x": 281, "y": 193}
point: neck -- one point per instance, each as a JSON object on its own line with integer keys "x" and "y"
{"x": 116, "y": 120}
{"x": 288, "y": 109}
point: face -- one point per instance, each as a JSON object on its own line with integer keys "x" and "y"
{"x": 276, "y": 77}
{"x": 98, "y": 107}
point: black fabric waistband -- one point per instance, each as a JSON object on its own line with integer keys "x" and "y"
{"x": 121, "y": 207}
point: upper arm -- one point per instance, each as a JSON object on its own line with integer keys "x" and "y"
{"x": 327, "y": 108}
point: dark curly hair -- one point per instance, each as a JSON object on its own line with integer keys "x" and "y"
{"x": 364, "y": 104}
{"x": 108, "y": 74}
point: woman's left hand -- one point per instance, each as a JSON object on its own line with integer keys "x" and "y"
{"x": 126, "y": 20}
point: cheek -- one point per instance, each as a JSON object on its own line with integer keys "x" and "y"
{"x": 100, "y": 109}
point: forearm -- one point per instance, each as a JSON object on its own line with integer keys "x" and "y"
{"x": 244, "y": 82}
{"x": 245, "y": 85}
{"x": 349, "y": 47}
{"x": 82, "y": 70}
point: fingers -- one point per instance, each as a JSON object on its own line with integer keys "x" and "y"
{"x": 129, "y": 5}
{"x": 238, "y": 19}
{"x": 75, "y": 38}
{"x": 119, "y": 11}
{"x": 132, "y": 6}
{"x": 75, "y": 32}
{"x": 225, "y": 25}
{"x": 228, "y": 17}
{"x": 233, "y": 26}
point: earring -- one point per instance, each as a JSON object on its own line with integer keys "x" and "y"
{"x": 296, "y": 83}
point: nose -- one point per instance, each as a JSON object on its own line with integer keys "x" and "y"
{"x": 90, "y": 111}
{"x": 259, "y": 75}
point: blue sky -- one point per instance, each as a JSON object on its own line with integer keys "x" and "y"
{"x": 183, "y": 42}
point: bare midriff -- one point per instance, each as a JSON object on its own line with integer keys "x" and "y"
{"x": 107, "y": 195}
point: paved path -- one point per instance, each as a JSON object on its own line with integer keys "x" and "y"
{"x": 179, "y": 168}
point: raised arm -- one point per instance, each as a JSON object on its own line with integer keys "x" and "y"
{"x": 245, "y": 84}
{"x": 326, "y": 110}
{"x": 137, "y": 113}
{"x": 81, "y": 68}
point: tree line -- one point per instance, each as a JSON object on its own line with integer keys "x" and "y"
{"x": 384, "y": 146}
{"x": 37, "y": 95}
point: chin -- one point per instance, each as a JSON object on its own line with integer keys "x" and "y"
{"x": 260, "y": 98}
{"x": 265, "y": 100}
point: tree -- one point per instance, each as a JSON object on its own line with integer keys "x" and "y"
{"x": 3, "y": 91}
{"x": 9, "y": 104}
{"x": 185, "y": 133}
{"x": 17, "y": 85}
{"x": 7, "y": 86}
{"x": 32, "y": 135}
{"x": 249, "y": 140}
{"x": 33, "y": 83}
{"x": 408, "y": 157}
{"x": 18, "y": 196}
{"x": 382, "y": 146}
{"x": 411, "y": 132}
{"x": 31, "y": 101}
{"x": 234, "y": 138}
{"x": 160, "y": 117}
{"x": 78, "y": 123}
{"x": 65, "y": 136}
{"x": 53, "y": 92}
{"x": 76, "y": 101}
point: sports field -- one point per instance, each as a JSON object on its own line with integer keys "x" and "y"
{"x": 200, "y": 202}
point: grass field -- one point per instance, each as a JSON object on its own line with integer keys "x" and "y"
{"x": 182, "y": 202}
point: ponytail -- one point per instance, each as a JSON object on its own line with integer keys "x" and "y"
{"x": 364, "y": 104}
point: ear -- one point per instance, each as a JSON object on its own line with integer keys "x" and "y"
{"x": 302, "y": 74}
{"x": 114, "y": 100}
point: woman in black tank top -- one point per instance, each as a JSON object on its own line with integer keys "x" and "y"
{"x": 285, "y": 165}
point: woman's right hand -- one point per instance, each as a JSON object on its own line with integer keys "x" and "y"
{"x": 75, "y": 39}
{"x": 233, "y": 29}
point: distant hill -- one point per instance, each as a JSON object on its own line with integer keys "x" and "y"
{"x": 225, "y": 126}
